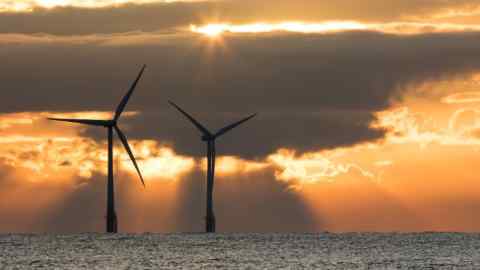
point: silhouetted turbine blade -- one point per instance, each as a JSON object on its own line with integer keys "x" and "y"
{"x": 195, "y": 122}
{"x": 129, "y": 151}
{"x": 82, "y": 121}
{"x": 232, "y": 126}
{"x": 125, "y": 99}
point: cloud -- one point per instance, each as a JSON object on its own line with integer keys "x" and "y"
{"x": 95, "y": 17}
{"x": 313, "y": 167}
{"x": 406, "y": 127}
{"x": 35, "y": 5}
{"x": 464, "y": 97}
{"x": 106, "y": 20}
{"x": 315, "y": 91}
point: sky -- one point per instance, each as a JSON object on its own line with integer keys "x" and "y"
{"x": 368, "y": 114}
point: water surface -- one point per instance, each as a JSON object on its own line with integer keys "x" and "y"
{"x": 241, "y": 251}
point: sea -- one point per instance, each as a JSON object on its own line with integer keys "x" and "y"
{"x": 241, "y": 251}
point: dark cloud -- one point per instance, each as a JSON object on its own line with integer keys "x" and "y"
{"x": 312, "y": 91}
{"x": 80, "y": 21}
{"x": 262, "y": 135}
{"x": 166, "y": 16}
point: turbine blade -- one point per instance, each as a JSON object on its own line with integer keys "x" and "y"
{"x": 82, "y": 121}
{"x": 125, "y": 99}
{"x": 195, "y": 122}
{"x": 129, "y": 151}
{"x": 232, "y": 126}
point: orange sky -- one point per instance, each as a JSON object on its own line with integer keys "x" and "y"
{"x": 420, "y": 176}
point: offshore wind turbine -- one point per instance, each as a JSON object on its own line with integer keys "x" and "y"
{"x": 111, "y": 125}
{"x": 210, "y": 138}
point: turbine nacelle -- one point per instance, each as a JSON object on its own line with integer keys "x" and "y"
{"x": 207, "y": 138}
{"x": 110, "y": 123}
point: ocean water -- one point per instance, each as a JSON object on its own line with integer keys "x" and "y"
{"x": 241, "y": 251}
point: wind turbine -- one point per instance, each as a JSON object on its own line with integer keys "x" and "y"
{"x": 112, "y": 224}
{"x": 210, "y": 138}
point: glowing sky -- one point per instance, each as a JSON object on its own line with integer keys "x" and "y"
{"x": 214, "y": 30}
{"x": 30, "y": 5}
{"x": 368, "y": 121}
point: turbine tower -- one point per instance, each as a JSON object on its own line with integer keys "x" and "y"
{"x": 111, "y": 125}
{"x": 210, "y": 138}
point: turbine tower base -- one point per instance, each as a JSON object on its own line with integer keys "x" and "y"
{"x": 112, "y": 224}
{"x": 211, "y": 225}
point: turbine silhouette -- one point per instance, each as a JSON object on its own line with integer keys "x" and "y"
{"x": 112, "y": 224}
{"x": 210, "y": 138}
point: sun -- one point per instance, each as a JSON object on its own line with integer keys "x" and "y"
{"x": 210, "y": 30}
